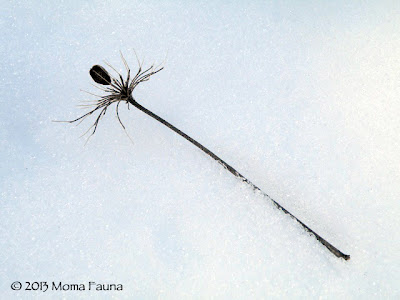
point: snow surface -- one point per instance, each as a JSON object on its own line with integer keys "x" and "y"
{"x": 302, "y": 98}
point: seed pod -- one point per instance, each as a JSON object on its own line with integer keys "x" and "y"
{"x": 100, "y": 75}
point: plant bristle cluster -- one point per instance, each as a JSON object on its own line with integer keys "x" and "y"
{"x": 117, "y": 90}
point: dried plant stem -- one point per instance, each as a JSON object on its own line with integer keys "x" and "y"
{"x": 232, "y": 170}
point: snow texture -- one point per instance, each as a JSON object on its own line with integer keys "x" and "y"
{"x": 300, "y": 97}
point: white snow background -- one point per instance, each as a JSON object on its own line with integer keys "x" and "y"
{"x": 300, "y": 97}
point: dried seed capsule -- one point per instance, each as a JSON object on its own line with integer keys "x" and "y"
{"x": 100, "y": 75}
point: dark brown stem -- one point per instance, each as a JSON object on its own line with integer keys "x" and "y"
{"x": 328, "y": 245}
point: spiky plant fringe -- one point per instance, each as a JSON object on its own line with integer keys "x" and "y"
{"x": 118, "y": 90}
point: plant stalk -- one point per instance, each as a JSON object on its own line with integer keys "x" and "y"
{"x": 232, "y": 170}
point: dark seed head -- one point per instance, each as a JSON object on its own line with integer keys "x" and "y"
{"x": 100, "y": 75}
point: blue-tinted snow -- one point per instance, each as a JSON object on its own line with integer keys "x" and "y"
{"x": 303, "y": 99}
